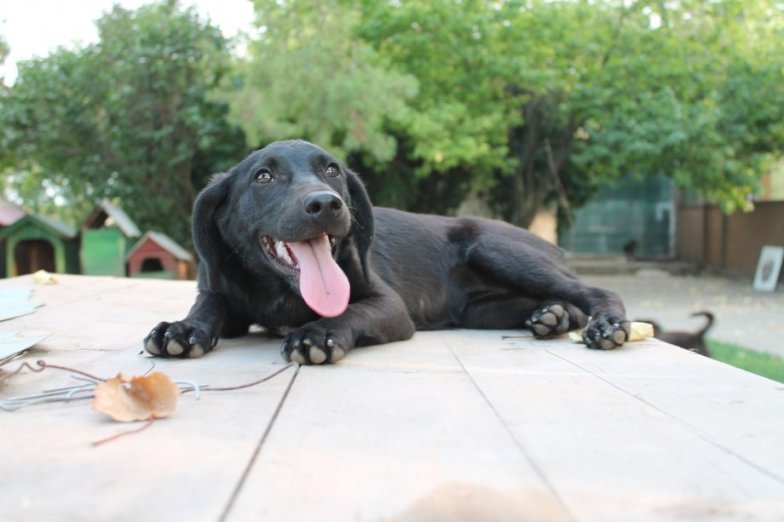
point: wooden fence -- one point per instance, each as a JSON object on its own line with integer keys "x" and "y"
{"x": 728, "y": 244}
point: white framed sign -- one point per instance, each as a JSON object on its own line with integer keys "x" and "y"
{"x": 768, "y": 268}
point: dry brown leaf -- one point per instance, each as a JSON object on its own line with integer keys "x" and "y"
{"x": 140, "y": 398}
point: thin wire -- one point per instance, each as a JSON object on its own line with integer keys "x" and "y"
{"x": 87, "y": 390}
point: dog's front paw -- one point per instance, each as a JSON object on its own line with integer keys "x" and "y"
{"x": 179, "y": 339}
{"x": 606, "y": 332}
{"x": 312, "y": 344}
{"x": 549, "y": 320}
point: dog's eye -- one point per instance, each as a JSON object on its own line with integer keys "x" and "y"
{"x": 262, "y": 176}
{"x": 332, "y": 170}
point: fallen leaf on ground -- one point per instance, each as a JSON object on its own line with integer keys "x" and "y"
{"x": 42, "y": 277}
{"x": 139, "y": 398}
{"x": 640, "y": 331}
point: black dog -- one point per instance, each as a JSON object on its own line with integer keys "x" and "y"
{"x": 694, "y": 341}
{"x": 288, "y": 238}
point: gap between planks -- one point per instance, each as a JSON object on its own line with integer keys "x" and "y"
{"x": 230, "y": 504}
{"x": 537, "y": 469}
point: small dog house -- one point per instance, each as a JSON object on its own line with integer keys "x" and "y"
{"x": 36, "y": 242}
{"x": 107, "y": 236}
{"x": 157, "y": 255}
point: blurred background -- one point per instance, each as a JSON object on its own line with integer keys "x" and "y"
{"x": 641, "y": 136}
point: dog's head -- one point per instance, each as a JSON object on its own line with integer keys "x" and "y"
{"x": 290, "y": 209}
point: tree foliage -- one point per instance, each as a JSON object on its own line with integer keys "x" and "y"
{"x": 531, "y": 103}
{"x": 308, "y": 77}
{"x": 535, "y": 103}
{"x": 705, "y": 104}
{"x": 4, "y": 50}
{"x": 126, "y": 118}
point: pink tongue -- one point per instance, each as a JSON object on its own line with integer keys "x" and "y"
{"x": 322, "y": 283}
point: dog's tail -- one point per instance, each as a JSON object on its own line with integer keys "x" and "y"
{"x": 710, "y": 320}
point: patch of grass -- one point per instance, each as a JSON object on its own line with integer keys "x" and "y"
{"x": 761, "y": 363}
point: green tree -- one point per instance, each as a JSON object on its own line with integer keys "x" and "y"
{"x": 704, "y": 106}
{"x": 127, "y": 118}
{"x": 533, "y": 103}
{"x": 307, "y": 77}
{"x": 311, "y": 74}
{"x": 547, "y": 100}
{"x": 456, "y": 139}
{"x": 4, "y": 50}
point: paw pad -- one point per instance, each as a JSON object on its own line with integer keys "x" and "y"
{"x": 606, "y": 333}
{"x": 549, "y": 321}
{"x": 311, "y": 346}
{"x": 179, "y": 339}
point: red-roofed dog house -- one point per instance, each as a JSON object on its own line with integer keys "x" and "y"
{"x": 157, "y": 255}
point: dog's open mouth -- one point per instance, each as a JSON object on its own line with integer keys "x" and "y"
{"x": 322, "y": 283}
{"x": 281, "y": 252}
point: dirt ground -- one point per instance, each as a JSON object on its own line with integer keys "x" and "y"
{"x": 744, "y": 316}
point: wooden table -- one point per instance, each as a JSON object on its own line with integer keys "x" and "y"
{"x": 452, "y": 425}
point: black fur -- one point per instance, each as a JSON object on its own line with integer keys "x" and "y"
{"x": 694, "y": 341}
{"x": 406, "y": 270}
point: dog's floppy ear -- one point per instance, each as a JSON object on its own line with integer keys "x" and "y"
{"x": 206, "y": 235}
{"x": 363, "y": 226}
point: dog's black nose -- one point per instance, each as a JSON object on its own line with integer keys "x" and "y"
{"x": 322, "y": 203}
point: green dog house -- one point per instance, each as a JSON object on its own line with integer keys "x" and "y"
{"x": 107, "y": 236}
{"x": 35, "y": 242}
{"x": 10, "y": 213}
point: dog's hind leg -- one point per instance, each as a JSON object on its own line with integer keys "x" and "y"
{"x": 548, "y": 319}
{"x": 533, "y": 268}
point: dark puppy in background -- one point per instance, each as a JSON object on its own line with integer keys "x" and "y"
{"x": 694, "y": 341}
{"x": 288, "y": 239}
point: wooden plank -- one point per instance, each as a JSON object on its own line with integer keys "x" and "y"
{"x": 394, "y": 432}
{"x": 455, "y": 425}
{"x": 610, "y": 454}
{"x": 182, "y": 468}
{"x": 185, "y": 467}
{"x": 84, "y": 313}
{"x": 735, "y": 410}
{"x": 69, "y": 288}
